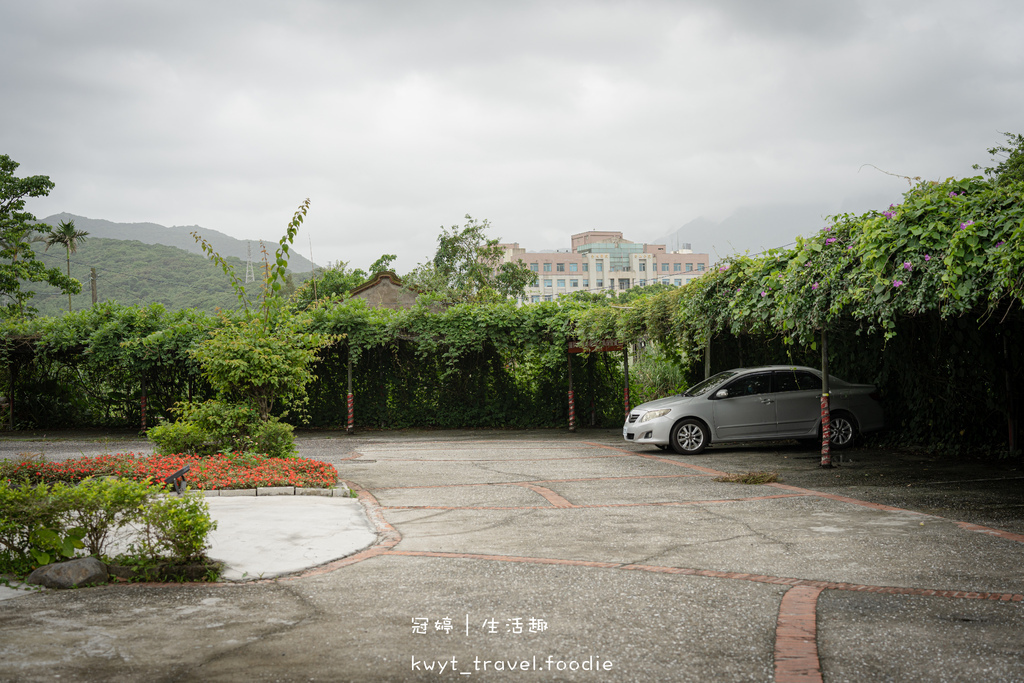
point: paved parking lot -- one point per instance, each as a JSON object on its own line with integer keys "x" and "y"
{"x": 550, "y": 556}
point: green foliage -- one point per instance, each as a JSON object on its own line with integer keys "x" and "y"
{"x": 273, "y": 437}
{"x": 176, "y": 528}
{"x": 653, "y": 375}
{"x": 24, "y": 509}
{"x": 383, "y": 264}
{"x": 48, "y": 522}
{"x": 468, "y": 267}
{"x": 99, "y": 507}
{"x": 335, "y": 280}
{"x": 18, "y": 262}
{"x": 248, "y": 363}
{"x": 137, "y": 274}
{"x": 1011, "y": 168}
{"x": 49, "y": 545}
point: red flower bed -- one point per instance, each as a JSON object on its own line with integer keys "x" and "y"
{"x": 221, "y": 471}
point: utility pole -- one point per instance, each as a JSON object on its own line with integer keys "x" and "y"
{"x": 92, "y": 280}
{"x": 249, "y": 275}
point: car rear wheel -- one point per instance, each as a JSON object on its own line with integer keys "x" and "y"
{"x": 689, "y": 437}
{"x": 842, "y": 430}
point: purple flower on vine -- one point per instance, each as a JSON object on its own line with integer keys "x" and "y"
{"x": 826, "y": 229}
{"x": 1000, "y": 243}
{"x": 963, "y": 226}
{"x": 907, "y": 265}
{"x": 764, "y": 293}
{"x": 889, "y": 214}
{"x": 814, "y": 285}
{"x": 897, "y": 283}
{"x": 830, "y": 240}
{"x": 927, "y": 257}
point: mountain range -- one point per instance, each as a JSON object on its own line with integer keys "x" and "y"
{"x": 179, "y": 236}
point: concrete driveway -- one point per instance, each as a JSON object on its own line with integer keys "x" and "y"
{"x": 549, "y": 556}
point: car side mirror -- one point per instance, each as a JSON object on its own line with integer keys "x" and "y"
{"x": 722, "y": 393}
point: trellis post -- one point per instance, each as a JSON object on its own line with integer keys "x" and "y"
{"x": 350, "y": 399}
{"x": 625, "y": 368}
{"x": 572, "y": 399}
{"x": 826, "y": 432}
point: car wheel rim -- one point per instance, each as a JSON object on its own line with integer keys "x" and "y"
{"x": 690, "y": 437}
{"x": 842, "y": 431}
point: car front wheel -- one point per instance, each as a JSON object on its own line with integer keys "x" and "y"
{"x": 842, "y": 430}
{"x": 689, "y": 437}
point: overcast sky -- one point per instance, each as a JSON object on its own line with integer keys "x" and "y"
{"x": 547, "y": 118}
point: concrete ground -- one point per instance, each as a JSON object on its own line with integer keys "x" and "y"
{"x": 550, "y": 556}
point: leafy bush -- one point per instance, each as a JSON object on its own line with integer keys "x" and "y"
{"x": 275, "y": 438}
{"x": 178, "y": 437}
{"x": 176, "y": 528}
{"x": 46, "y": 522}
{"x": 653, "y": 375}
{"x": 100, "y": 506}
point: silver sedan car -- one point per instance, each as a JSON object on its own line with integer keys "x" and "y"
{"x": 755, "y": 404}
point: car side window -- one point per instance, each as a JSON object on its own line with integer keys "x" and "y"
{"x": 750, "y": 385}
{"x": 785, "y": 380}
{"x": 808, "y": 381}
{"x": 795, "y": 380}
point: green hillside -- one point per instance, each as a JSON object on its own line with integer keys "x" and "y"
{"x": 131, "y": 272}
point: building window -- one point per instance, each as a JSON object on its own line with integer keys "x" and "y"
{"x": 561, "y": 284}
{"x": 547, "y": 267}
{"x": 535, "y": 298}
{"x": 586, "y": 267}
{"x": 574, "y": 283}
{"x": 679, "y": 282}
{"x": 700, "y": 266}
{"x": 560, "y": 267}
{"x": 586, "y": 284}
{"x": 536, "y": 282}
{"x": 547, "y": 283}
{"x": 664, "y": 267}
{"x": 689, "y": 267}
{"x": 547, "y": 297}
{"x": 643, "y": 282}
{"x": 623, "y": 283}
{"x": 643, "y": 266}
{"x": 600, "y": 283}
{"x": 677, "y": 267}
{"x": 688, "y": 280}
{"x": 574, "y": 267}
{"x": 600, "y": 266}
{"x": 533, "y": 267}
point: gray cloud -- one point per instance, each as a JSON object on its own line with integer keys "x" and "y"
{"x": 547, "y": 118}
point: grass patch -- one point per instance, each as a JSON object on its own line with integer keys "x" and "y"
{"x": 749, "y": 478}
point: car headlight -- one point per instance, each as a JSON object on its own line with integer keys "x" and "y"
{"x": 654, "y": 414}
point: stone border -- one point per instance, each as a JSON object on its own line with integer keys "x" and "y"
{"x": 339, "y": 491}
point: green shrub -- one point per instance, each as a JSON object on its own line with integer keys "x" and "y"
{"x": 653, "y": 375}
{"x": 275, "y": 438}
{"x": 24, "y": 508}
{"x": 216, "y": 426}
{"x": 178, "y": 437}
{"x": 176, "y": 528}
{"x": 100, "y": 506}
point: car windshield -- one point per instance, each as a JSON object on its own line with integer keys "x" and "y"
{"x": 710, "y": 383}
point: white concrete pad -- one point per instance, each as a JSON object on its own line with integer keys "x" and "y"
{"x": 268, "y": 536}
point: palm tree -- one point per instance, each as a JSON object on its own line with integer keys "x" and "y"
{"x": 66, "y": 235}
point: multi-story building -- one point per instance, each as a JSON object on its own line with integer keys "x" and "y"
{"x": 602, "y": 261}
